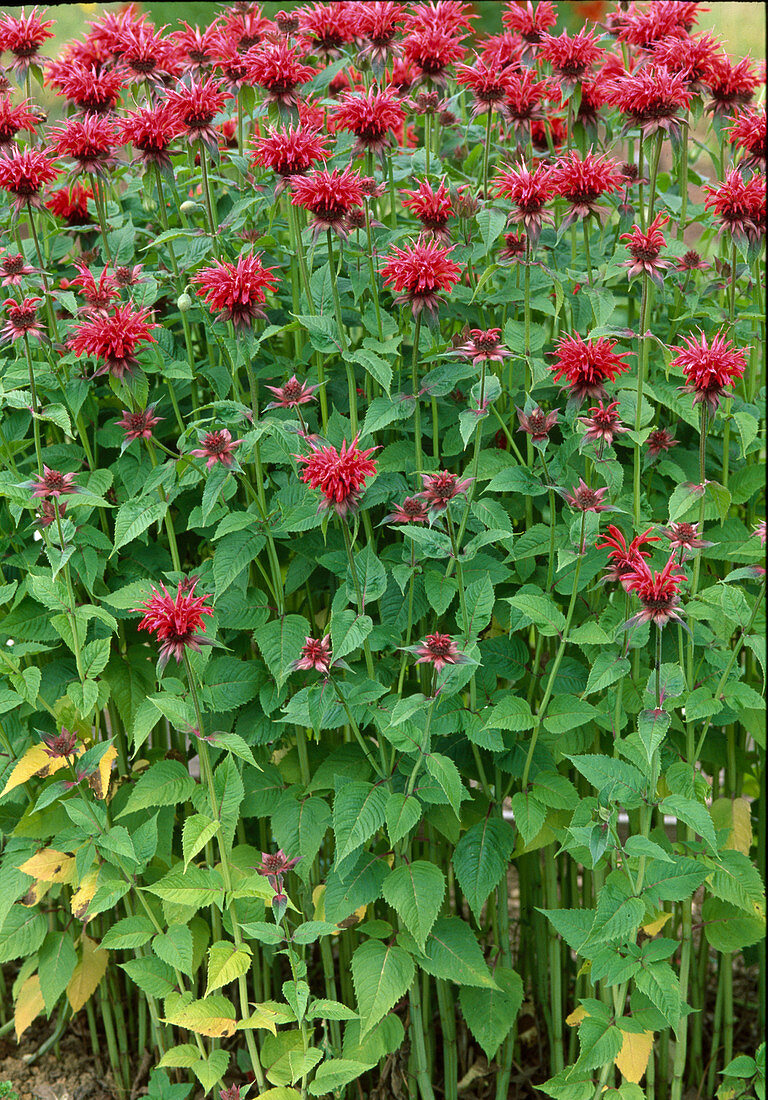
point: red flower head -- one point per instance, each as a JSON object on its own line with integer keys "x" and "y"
{"x": 15, "y": 118}
{"x": 89, "y": 141}
{"x": 660, "y": 20}
{"x": 371, "y": 116}
{"x": 659, "y": 441}
{"x": 216, "y": 447}
{"x": 329, "y": 196}
{"x": 587, "y": 365}
{"x": 419, "y": 271}
{"x": 138, "y": 425}
{"x": 748, "y": 133}
{"x": 651, "y": 98}
{"x": 327, "y": 27}
{"x": 730, "y": 85}
{"x": 593, "y": 97}
{"x": 537, "y": 424}
{"x": 440, "y": 489}
{"x": 403, "y": 76}
{"x": 71, "y": 204}
{"x": 502, "y": 50}
{"x": 23, "y": 321}
{"x": 13, "y": 268}
{"x": 484, "y": 346}
{"x": 514, "y": 248}
{"x": 197, "y": 104}
{"x": 691, "y": 261}
{"x": 584, "y": 499}
{"x": 449, "y": 15}
{"x": 709, "y": 368}
{"x": 90, "y": 88}
{"x": 581, "y": 181}
{"x": 571, "y": 57}
{"x": 659, "y": 593}
{"x": 292, "y": 394}
{"x": 684, "y": 536}
{"x": 603, "y": 424}
{"x": 438, "y": 650}
{"x": 23, "y": 174}
{"x": 98, "y": 296}
{"x": 230, "y": 62}
{"x": 145, "y": 53}
{"x": 529, "y": 191}
{"x": 112, "y": 338}
{"x": 53, "y": 484}
{"x": 412, "y": 510}
{"x": 339, "y": 475}
{"x": 315, "y": 654}
{"x": 175, "y": 621}
{"x": 195, "y": 49}
{"x": 61, "y": 745}
{"x": 236, "y": 291}
{"x": 432, "y": 50}
{"x": 489, "y": 83}
{"x": 245, "y": 27}
{"x": 432, "y": 208}
{"x": 739, "y": 205}
{"x": 622, "y": 558}
{"x": 275, "y": 66}
{"x": 644, "y": 248}
{"x": 691, "y": 56}
{"x": 546, "y": 131}
{"x": 290, "y": 152}
{"x": 151, "y": 130}
{"x": 525, "y": 99}
{"x": 528, "y": 21}
{"x": 378, "y": 22}
{"x": 23, "y": 37}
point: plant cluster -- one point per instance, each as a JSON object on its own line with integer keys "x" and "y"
{"x": 382, "y": 532}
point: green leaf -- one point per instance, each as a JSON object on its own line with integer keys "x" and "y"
{"x": 299, "y": 828}
{"x": 568, "y": 712}
{"x": 378, "y": 368}
{"x": 512, "y": 713}
{"x": 401, "y": 814}
{"x": 360, "y": 886}
{"x": 573, "y": 925}
{"x": 381, "y": 974}
{"x": 210, "y": 1070}
{"x": 529, "y": 813}
{"x": 56, "y": 964}
{"x": 348, "y": 631}
{"x": 453, "y": 953}
{"x": 619, "y": 914}
{"x": 480, "y": 859}
{"x": 230, "y": 683}
{"x": 196, "y": 887}
{"x": 358, "y": 811}
{"x": 693, "y": 814}
{"x": 226, "y": 963}
{"x": 280, "y": 642}
{"x": 446, "y": 774}
{"x": 490, "y": 1013}
{"x": 652, "y": 726}
{"x": 416, "y": 891}
{"x": 334, "y": 1074}
{"x": 480, "y": 599}
{"x": 165, "y": 783}
{"x": 130, "y": 932}
{"x": 135, "y": 516}
{"x": 662, "y": 988}
{"x": 729, "y": 929}
{"x": 175, "y": 948}
{"x": 541, "y": 610}
{"x": 606, "y": 670}
{"x": 153, "y": 976}
{"x": 22, "y": 933}
{"x": 232, "y": 556}
{"x": 619, "y": 780}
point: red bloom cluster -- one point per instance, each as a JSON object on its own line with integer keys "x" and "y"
{"x": 371, "y": 116}
{"x": 644, "y": 248}
{"x": 23, "y": 320}
{"x": 438, "y": 650}
{"x": 197, "y": 104}
{"x": 275, "y": 67}
{"x": 151, "y": 130}
{"x": 571, "y": 56}
{"x": 659, "y": 593}
{"x": 622, "y": 558}
{"x": 339, "y": 475}
{"x": 710, "y": 367}
{"x": 419, "y": 271}
{"x": 748, "y": 133}
{"x": 88, "y": 141}
{"x": 23, "y": 174}
{"x": 329, "y": 196}
{"x": 236, "y": 291}
{"x": 731, "y": 85}
{"x": 88, "y": 86}
{"x": 289, "y": 151}
{"x": 583, "y": 180}
{"x": 14, "y": 118}
{"x": 432, "y": 208}
{"x": 651, "y": 98}
{"x": 113, "y": 338}
{"x": 530, "y": 192}
{"x": 489, "y": 83}
{"x": 216, "y": 447}
{"x": 739, "y": 205}
{"x": 23, "y": 37}
{"x": 71, "y": 204}
{"x": 528, "y": 21}
{"x": 175, "y": 621}
{"x": 587, "y": 365}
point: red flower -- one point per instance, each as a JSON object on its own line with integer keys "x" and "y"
{"x": 412, "y": 510}
{"x": 528, "y": 21}
{"x": 378, "y": 21}
{"x": 529, "y": 191}
{"x": 197, "y": 104}
{"x": 61, "y": 745}
{"x": 622, "y": 558}
{"x": 659, "y": 441}
{"x": 691, "y": 261}
{"x": 525, "y": 98}
{"x": 438, "y": 650}
{"x": 731, "y": 85}
{"x": 290, "y": 152}
{"x": 91, "y": 88}
{"x": 138, "y": 425}
{"x": 113, "y": 338}
{"x": 339, "y": 475}
{"x": 236, "y": 291}
{"x": 327, "y": 27}
{"x": 587, "y": 365}
{"x": 432, "y": 208}
{"x": 22, "y": 319}
{"x": 514, "y": 248}
{"x": 216, "y": 447}
{"x": 739, "y": 205}
{"x": 571, "y": 57}
{"x": 760, "y": 532}
{"x": 659, "y": 593}
{"x": 748, "y": 133}
{"x": 329, "y": 196}
{"x": 537, "y": 424}
{"x": 13, "y": 268}
{"x": 98, "y": 296}
{"x": 195, "y": 48}
{"x": 151, "y": 130}
{"x": 24, "y": 173}
{"x": 440, "y": 489}
{"x": 593, "y": 97}
{"x": 584, "y": 499}
{"x": 690, "y": 56}
{"x": 291, "y": 394}
{"x": 276, "y": 864}
{"x": 53, "y": 484}
{"x": 419, "y": 271}
{"x": 315, "y": 654}
{"x": 548, "y": 131}
{"x": 432, "y": 49}
{"x": 644, "y": 247}
{"x": 403, "y": 76}
{"x": 709, "y": 368}
{"x": 175, "y": 621}
{"x": 484, "y": 346}
{"x": 450, "y": 15}
{"x": 147, "y": 55}
{"x": 371, "y": 116}
{"x": 489, "y": 83}
{"x": 659, "y": 20}
{"x": 23, "y": 37}
{"x": 15, "y": 118}
{"x": 245, "y": 27}
{"x": 651, "y": 98}
{"x": 684, "y": 536}
{"x": 582, "y": 180}
{"x": 603, "y": 424}
{"x": 71, "y": 204}
{"x": 275, "y": 66}
{"x": 89, "y": 141}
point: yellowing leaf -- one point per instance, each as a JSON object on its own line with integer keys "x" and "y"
{"x": 212, "y": 1016}
{"x": 82, "y": 896}
{"x": 263, "y": 1017}
{"x": 632, "y": 1059}
{"x": 88, "y": 973}
{"x": 35, "y": 761}
{"x": 740, "y": 836}
{"x": 226, "y": 963}
{"x": 653, "y": 927}
{"x": 49, "y": 865}
{"x": 576, "y": 1016}
{"x": 35, "y": 894}
{"x": 29, "y": 1005}
{"x": 318, "y": 900}
{"x": 99, "y": 781}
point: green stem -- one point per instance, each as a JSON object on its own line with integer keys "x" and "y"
{"x": 349, "y": 368}
{"x": 35, "y": 412}
{"x": 642, "y": 358}
{"x": 416, "y": 399}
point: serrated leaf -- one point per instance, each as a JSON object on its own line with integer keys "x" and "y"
{"x": 197, "y": 831}
{"x": 491, "y": 1013}
{"x": 212, "y": 1016}
{"x": 381, "y": 974}
{"x": 130, "y": 932}
{"x": 196, "y": 887}
{"x": 348, "y": 631}
{"x": 480, "y": 859}
{"x": 446, "y": 775}
{"x": 90, "y": 969}
{"x": 416, "y": 891}
{"x": 280, "y": 642}
{"x": 358, "y": 811}
{"x": 134, "y": 517}
{"x": 530, "y": 815}
{"x": 29, "y": 1005}
{"x": 175, "y": 948}
{"x": 453, "y": 953}
{"x": 693, "y": 814}
{"x": 165, "y": 783}
{"x": 401, "y": 813}
{"x": 56, "y": 964}
{"x": 226, "y": 963}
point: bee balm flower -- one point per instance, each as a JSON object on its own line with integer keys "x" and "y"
{"x": 419, "y": 271}
{"x": 339, "y": 475}
{"x": 236, "y": 291}
{"x": 175, "y": 621}
{"x": 587, "y": 365}
{"x": 659, "y": 593}
{"x": 709, "y": 368}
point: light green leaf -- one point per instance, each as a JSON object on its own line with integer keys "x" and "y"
{"x": 415, "y": 891}
{"x": 490, "y": 1013}
{"x": 480, "y": 859}
{"x": 381, "y": 974}
{"x": 453, "y": 953}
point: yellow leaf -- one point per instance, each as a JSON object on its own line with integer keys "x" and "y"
{"x": 35, "y": 761}
{"x": 82, "y": 896}
{"x": 653, "y": 927}
{"x": 318, "y": 900}
{"x": 632, "y": 1059}
{"x": 213, "y": 1016}
{"x": 99, "y": 781}
{"x": 740, "y": 836}
{"x": 29, "y": 1005}
{"x": 49, "y": 865}
{"x": 35, "y": 894}
{"x": 263, "y": 1017}
{"x": 576, "y": 1016}
{"x": 87, "y": 975}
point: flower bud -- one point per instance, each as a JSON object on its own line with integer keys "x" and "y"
{"x": 190, "y": 207}
{"x": 184, "y": 302}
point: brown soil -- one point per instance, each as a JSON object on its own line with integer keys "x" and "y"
{"x": 72, "y": 1074}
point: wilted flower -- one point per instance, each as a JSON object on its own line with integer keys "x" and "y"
{"x": 139, "y": 425}
{"x": 658, "y": 441}
{"x": 584, "y": 499}
{"x": 315, "y": 654}
{"x": 438, "y": 650}
{"x": 59, "y": 746}
{"x": 13, "y": 267}
{"x": 684, "y": 536}
{"x": 709, "y": 367}
{"x": 537, "y": 423}
{"x": 51, "y": 511}
{"x": 440, "y": 489}
{"x": 339, "y": 475}
{"x": 218, "y": 446}
{"x": 53, "y": 484}
{"x": 175, "y": 621}
{"x": 514, "y": 248}
{"x": 412, "y": 510}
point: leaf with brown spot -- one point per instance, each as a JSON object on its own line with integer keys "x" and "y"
{"x": 88, "y": 973}
{"x": 29, "y": 1005}
{"x": 50, "y": 865}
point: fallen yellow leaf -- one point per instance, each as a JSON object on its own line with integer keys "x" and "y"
{"x": 29, "y": 1005}
{"x": 632, "y": 1059}
{"x": 87, "y": 974}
